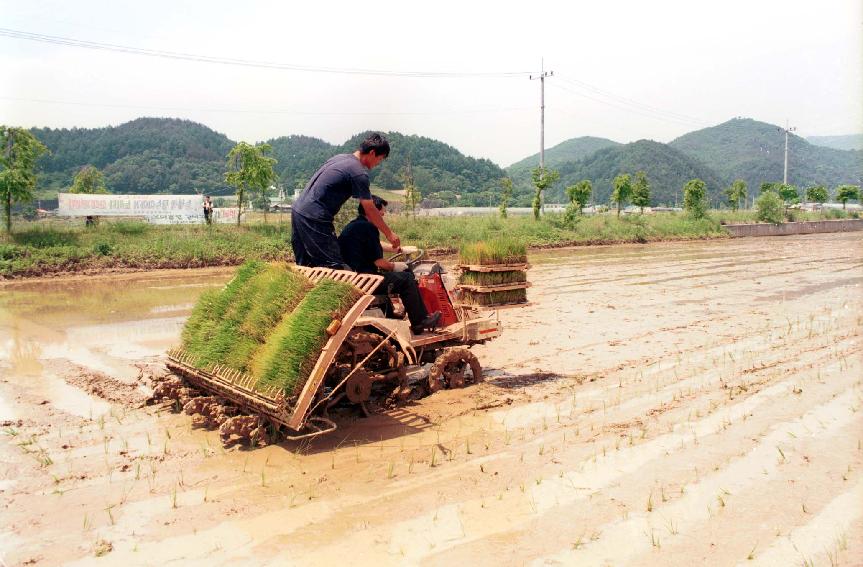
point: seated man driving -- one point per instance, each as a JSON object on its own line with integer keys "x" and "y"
{"x": 363, "y": 251}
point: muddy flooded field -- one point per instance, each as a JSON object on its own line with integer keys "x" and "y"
{"x": 669, "y": 404}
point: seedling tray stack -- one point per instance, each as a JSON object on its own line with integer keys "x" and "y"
{"x": 493, "y": 275}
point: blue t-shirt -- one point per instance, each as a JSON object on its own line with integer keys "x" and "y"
{"x": 339, "y": 179}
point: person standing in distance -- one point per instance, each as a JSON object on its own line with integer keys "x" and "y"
{"x": 313, "y": 236}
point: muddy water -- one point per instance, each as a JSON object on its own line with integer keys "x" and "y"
{"x": 663, "y": 404}
{"x": 101, "y": 324}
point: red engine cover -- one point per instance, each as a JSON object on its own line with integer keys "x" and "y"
{"x": 436, "y": 298}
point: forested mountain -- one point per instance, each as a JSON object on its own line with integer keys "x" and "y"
{"x": 667, "y": 171}
{"x": 440, "y": 171}
{"x": 147, "y": 155}
{"x": 849, "y": 142}
{"x": 163, "y": 155}
{"x": 571, "y": 150}
{"x": 755, "y": 152}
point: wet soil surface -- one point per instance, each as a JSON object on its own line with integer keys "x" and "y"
{"x": 665, "y": 404}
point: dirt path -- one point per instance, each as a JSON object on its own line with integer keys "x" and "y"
{"x": 667, "y": 404}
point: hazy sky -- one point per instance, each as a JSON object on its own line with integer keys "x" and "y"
{"x": 622, "y": 70}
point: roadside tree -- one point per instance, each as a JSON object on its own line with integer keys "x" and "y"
{"x": 542, "y": 179}
{"x": 579, "y": 195}
{"x": 413, "y": 197}
{"x": 249, "y": 169}
{"x": 622, "y": 191}
{"x": 505, "y": 195}
{"x": 767, "y": 186}
{"x": 817, "y": 194}
{"x": 845, "y": 193}
{"x": 735, "y": 194}
{"x": 19, "y": 150}
{"x": 641, "y": 191}
{"x": 768, "y": 207}
{"x": 694, "y": 198}
{"x": 789, "y": 194}
{"x": 89, "y": 181}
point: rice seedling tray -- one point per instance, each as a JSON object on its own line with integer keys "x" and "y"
{"x": 496, "y": 287}
{"x": 493, "y": 267}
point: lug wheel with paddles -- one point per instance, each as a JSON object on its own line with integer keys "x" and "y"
{"x": 455, "y": 368}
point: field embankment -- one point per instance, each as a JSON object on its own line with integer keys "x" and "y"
{"x": 52, "y": 248}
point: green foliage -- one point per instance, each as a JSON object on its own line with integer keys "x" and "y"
{"x": 291, "y": 349}
{"x": 769, "y": 186}
{"x": 817, "y": 194}
{"x": 566, "y": 152}
{"x": 641, "y": 191}
{"x": 694, "y": 202}
{"x": 768, "y": 207}
{"x": 789, "y": 194}
{"x": 579, "y": 196}
{"x": 505, "y": 195}
{"x": 249, "y": 168}
{"x": 496, "y": 251}
{"x": 542, "y": 179}
{"x": 508, "y": 297}
{"x": 413, "y": 197}
{"x": 19, "y": 150}
{"x": 622, "y": 191}
{"x": 89, "y": 181}
{"x": 735, "y": 194}
{"x": 845, "y": 193}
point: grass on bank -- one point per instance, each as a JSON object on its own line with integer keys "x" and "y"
{"x": 55, "y": 246}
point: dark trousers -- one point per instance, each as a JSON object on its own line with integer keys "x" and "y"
{"x": 405, "y": 286}
{"x": 315, "y": 244}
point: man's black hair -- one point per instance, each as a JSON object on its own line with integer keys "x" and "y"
{"x": 377, "y": 143}
{"x": 379, "y": 204}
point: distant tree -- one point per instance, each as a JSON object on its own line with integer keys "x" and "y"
{"x": 817, "y": 194}
{"x": 249, "y": 169}
{"x": 694, "y": 193}
{"x": 19, "y": 150}
{"x": 845, "y": 193}
{"x": 261, "y": 200}
{"x": 768, "y": 207}
{"x": 767, "y": 186}
{"x": 90, "y": 181}
{"x": 735, "y": 194}
{"x": 622, "y": 191}
{"x": 579, "y": 195}
{"x": 413, "y": 197}
{"x": 505, "y": 195}
{"x": 641, "y": 191}
{"x": 542, "y": 179}
{"x": 789, "y": 194}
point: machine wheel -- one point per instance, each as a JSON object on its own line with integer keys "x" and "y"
{"x": 450, "y": 370}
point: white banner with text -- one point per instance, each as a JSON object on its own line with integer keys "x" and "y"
{"x": 157, "y": 209}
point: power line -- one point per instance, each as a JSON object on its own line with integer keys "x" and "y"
{"x": 71, "y": 42}
{"x": 256, "y": 111}
{"x": 630, "y": 102}
{"x": 635, "y": 110}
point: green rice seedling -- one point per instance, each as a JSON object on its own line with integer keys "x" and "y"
{"x": 487, "y": 299}
{"x": 496, "y": 251}
{"x": 470, "y": 277}
{"x": 287, "y": 357}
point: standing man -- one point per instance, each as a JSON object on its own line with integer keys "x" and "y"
{"x": 208, "y": 210}
{"x": 313, "y": 236}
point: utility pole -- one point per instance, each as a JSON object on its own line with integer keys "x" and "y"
{"x": 786, "y": 130}
{"x": 542, "y": 75}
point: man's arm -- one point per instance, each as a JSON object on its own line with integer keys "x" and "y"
{"x": 375, "y": 218}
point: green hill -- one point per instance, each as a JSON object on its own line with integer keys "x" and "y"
{"x": 147, "y": 155}
{"x": 571, "y": 150}
{"x": 667, "y": 171}
{"x": 849, "y": 142}
{"x": 164, "y": 155}
{"x": 755, "y": 152}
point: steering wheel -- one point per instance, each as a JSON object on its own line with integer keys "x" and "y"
{"x": 410, "y": 258}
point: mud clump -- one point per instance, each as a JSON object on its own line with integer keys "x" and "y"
{"x": 107, "y": 388}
